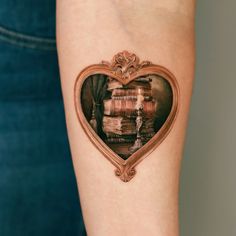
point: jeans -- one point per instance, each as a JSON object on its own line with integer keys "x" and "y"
{"x": 38, "y": 193}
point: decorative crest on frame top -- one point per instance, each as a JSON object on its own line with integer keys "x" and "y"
{"x": 124, "y": 64}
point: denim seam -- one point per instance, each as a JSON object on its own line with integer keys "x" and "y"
{"x": 24, "y": 40}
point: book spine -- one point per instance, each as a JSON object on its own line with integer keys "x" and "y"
{"x": 112, "y": 135}
{"x": 130, "y": 97}
{"x": 130, "y": 92}
{"x": 127, "y": 108}
{"x": 126, "y": 140}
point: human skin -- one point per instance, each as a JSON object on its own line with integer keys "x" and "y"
{"x": 159, "y": 31}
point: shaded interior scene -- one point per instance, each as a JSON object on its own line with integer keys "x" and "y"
{"x": 126, "y": 117}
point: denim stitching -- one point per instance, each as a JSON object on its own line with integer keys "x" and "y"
{"x": 24, "y": 40}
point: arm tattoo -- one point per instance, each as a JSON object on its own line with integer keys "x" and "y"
{"x": 127, "y": 108}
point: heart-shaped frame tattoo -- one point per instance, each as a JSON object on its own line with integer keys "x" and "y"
{"x": 126, "y": 108}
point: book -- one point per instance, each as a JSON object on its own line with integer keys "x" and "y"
{"x": 115, "y": 127}
{"x": 110, "y": 132}
{"x": 139, "y": 82}
{"x": 126, "y": 140}
{"x": 130, "y": 97}
{"x": 119, "y": 107}
{"x": 149, "y": 134}
{"x": 118, "y": 125}
{"x": 130, "y": 92}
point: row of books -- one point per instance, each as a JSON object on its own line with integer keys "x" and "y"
{"x": 119, "y": 120}
{"x": 126, "y": 107}
{"x": 119, "y": 125}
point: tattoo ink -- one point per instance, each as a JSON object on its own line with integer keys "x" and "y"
{"x": 127, "y": 108}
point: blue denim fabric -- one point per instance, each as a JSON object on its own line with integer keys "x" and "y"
{"x": 38, "y": 194}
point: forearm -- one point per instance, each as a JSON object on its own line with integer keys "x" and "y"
{"x": 89, "y": 32}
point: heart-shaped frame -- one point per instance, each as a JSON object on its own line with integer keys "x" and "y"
{"x": 125, "y": 67}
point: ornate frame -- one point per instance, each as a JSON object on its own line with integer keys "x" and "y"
{"x": 125, "y": 67}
